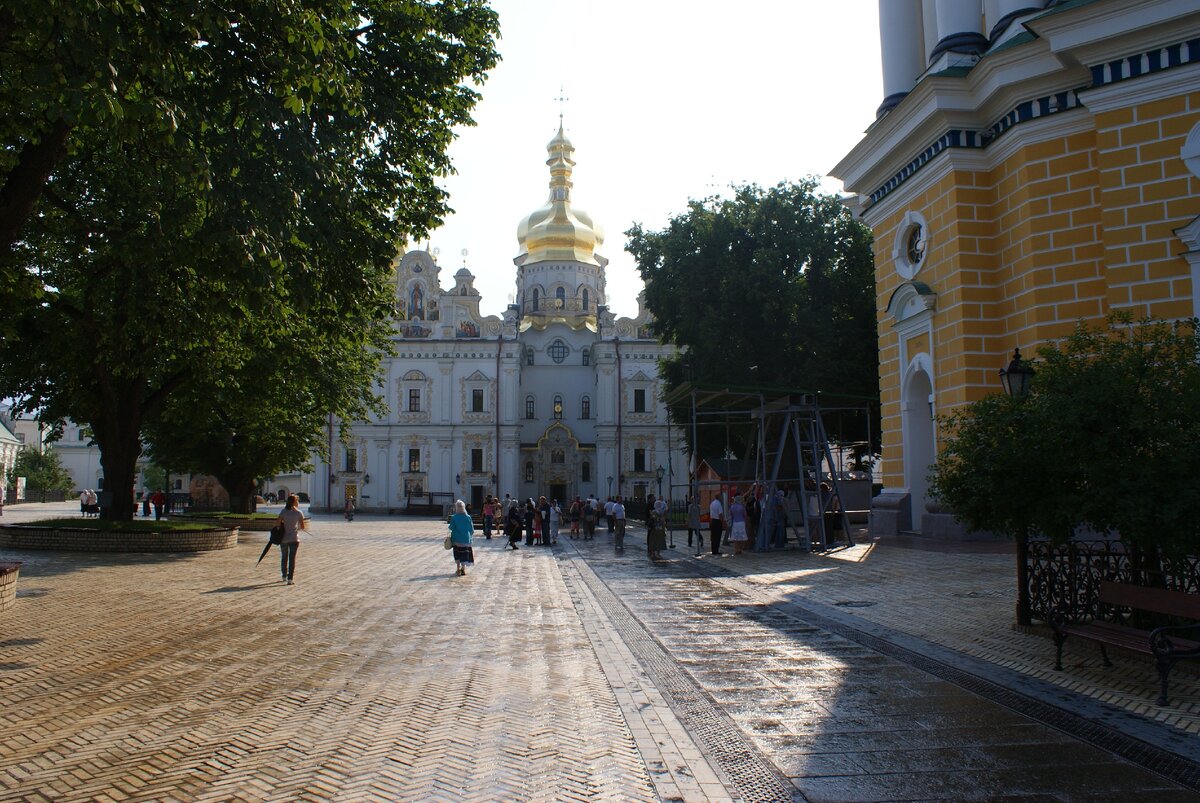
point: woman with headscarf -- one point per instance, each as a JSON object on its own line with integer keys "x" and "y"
{"x": 462, "y": 528}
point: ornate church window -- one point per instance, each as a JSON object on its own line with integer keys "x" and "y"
{"x": 585, "y": 302}
{"x": 916, "y": 244}
{"x": 560, "y": 297}
{"x": 535, "y": 299}
{"x": 639, "y": 400}
{"x": 557, "y": 456}
{"x": 529, "y": 356}
{"x": 585, "y": 407}
{"x": 414, "y": 460}
{"x": 558, "y": 351}
{"x": 558, "y": 408}
{"x": 414, "y": 400}
{"x": 529, "y": 407}
{"x": 585, "y": 471}
{"x": 529, "y": 472}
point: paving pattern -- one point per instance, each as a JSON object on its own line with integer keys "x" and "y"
{"x": 566, "y": 674}
{"x": 845, "y": 722}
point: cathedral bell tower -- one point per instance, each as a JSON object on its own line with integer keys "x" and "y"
{"x": 560, "y": 274}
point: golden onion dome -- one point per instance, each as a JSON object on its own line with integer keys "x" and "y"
{"x": 558, "y": 231}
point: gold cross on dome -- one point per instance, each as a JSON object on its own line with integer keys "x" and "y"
{"x": 562, "y": 104}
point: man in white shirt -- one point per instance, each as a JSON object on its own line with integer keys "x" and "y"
{"x": 716, "y": 523}
{"x": 618, "y": 514}
{"x": 608, "y": 514}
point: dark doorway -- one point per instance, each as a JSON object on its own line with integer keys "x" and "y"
{"x": 559, "y": 491}
{"x": 477, "y": 498}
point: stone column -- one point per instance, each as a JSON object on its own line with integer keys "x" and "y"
{"x": 959, "y": 28}
{"x": 999, "y": 14}
{"x": 902, "y": 48}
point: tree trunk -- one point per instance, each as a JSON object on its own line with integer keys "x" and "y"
{"x": 20, "y": 192}
{"x": 119, "y": 461}
{"x": 241, "y": 492}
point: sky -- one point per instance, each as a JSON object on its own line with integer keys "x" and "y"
{"x": 666, "y": 101}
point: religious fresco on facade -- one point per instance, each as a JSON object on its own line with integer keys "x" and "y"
{"x": 416, "y": 302}
{"x": 415, "y": 330}
{"x": 466, "y": 329}
{"x": 644, "y": 332}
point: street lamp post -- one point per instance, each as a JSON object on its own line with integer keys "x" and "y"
{"x": 1016, "y": 379}
{"x": 610, "y": 486}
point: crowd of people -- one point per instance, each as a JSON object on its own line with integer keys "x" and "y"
{"x": 538, "y": 523}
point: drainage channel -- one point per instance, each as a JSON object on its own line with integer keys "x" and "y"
{"x": 753, "y": 776}
{"x": 1164, "y": 762}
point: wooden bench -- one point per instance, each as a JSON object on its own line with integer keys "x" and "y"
{"x": 1159, "y": 642}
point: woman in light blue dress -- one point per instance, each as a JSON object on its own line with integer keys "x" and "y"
{"x": 462, "y": 529}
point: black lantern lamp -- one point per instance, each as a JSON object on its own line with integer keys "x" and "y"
{"x": 366, "y": 479}
{"x": 660, "y": 473}
{"x": 1017, "y": 376}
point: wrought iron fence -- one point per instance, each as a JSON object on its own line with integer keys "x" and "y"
{"x": 1064, "y": 580}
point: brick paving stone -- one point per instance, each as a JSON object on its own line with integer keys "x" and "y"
{"x": 842, "y": 721}
{"x": 379, "y": 675}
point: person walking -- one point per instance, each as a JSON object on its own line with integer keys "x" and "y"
{"x": 530, "y": 519}
{"x": 737, "y": 525}
{"x": 158, "y": 500}
{"x": 693, "y": 523}
{"x": 555, "y": 520}
{"x": 512, "y": 524}
{"x": 656, "y": 533}
{"x": 462, "y": 529}
{"x": 293, "y": 522}
{"x": 716, "y": 523}
{"x": 589, "y": 519}
{"x": 608, "y": 515}
{"x": 544, "y": 519}
{"x": 618, "y": 513}
{"x": 574, "y": 514}
{"x": 488, "y": 513}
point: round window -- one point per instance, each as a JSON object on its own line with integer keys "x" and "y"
{"x": 915, "y": 245}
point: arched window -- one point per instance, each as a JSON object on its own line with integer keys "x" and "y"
{"x": 535, "y": 298}
{"x": 529, "y": 408}
{"x": 529, "y": 356}
{"x": 585, "y": 407}
{"x": 557, "y": 456}
{"x": 585, "y": 471}
{"x": 585, "y": 299}
{"x": 560, "y": 296}
{"x": 529, "y": 472}
{"x": 558, "y": 408}
{"x": 587, "y": 356}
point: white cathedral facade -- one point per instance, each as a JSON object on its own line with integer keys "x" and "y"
{"x": 556, "y": 397}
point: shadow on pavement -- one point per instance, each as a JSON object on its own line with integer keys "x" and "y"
{"x": 232, "y": 589}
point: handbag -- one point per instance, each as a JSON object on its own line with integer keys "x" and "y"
{"x": 447, "y": 544}
{"x": 277, "y": 534}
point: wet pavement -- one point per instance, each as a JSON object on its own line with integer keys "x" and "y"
{"x": 575, "y": 673}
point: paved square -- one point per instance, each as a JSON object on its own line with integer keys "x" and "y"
{"x": 565, "y": 674}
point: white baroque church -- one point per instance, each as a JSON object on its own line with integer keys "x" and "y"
{"x": 556, "y": 397}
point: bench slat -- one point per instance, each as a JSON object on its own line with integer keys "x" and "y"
{"x": 1158, "y": 600}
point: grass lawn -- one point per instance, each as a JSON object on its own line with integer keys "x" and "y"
{"x": 228, "y": 515}
{"x": 103, "y": 525}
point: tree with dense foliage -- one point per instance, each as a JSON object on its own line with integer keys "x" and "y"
{"x": 268, "y": 417}
{"x": 43, "y": 472}
{"x": 772, "y": 287}
{"x": 227, "y": 172}
{"x": 1106, "y": 439}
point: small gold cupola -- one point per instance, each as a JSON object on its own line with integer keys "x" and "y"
{"x": 558, "y": 231}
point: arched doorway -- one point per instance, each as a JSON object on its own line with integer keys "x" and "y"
{"x": 918, "y": 434}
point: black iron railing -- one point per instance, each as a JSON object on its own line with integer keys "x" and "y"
{"x": 1064, "y": 580}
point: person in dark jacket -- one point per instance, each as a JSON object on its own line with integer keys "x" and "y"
{"x": 513, "y": 524}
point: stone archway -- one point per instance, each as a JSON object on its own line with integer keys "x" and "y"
{"x": 920, "y": 449}
{"x": 557, "y": 460}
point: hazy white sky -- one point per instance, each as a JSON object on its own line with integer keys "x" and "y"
{"x": 667, "y": 100}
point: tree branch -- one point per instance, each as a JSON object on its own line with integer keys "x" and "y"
{"x": 27, "y": 180}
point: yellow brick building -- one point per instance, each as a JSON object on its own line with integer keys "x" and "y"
{"x": 1033, "y": 164}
